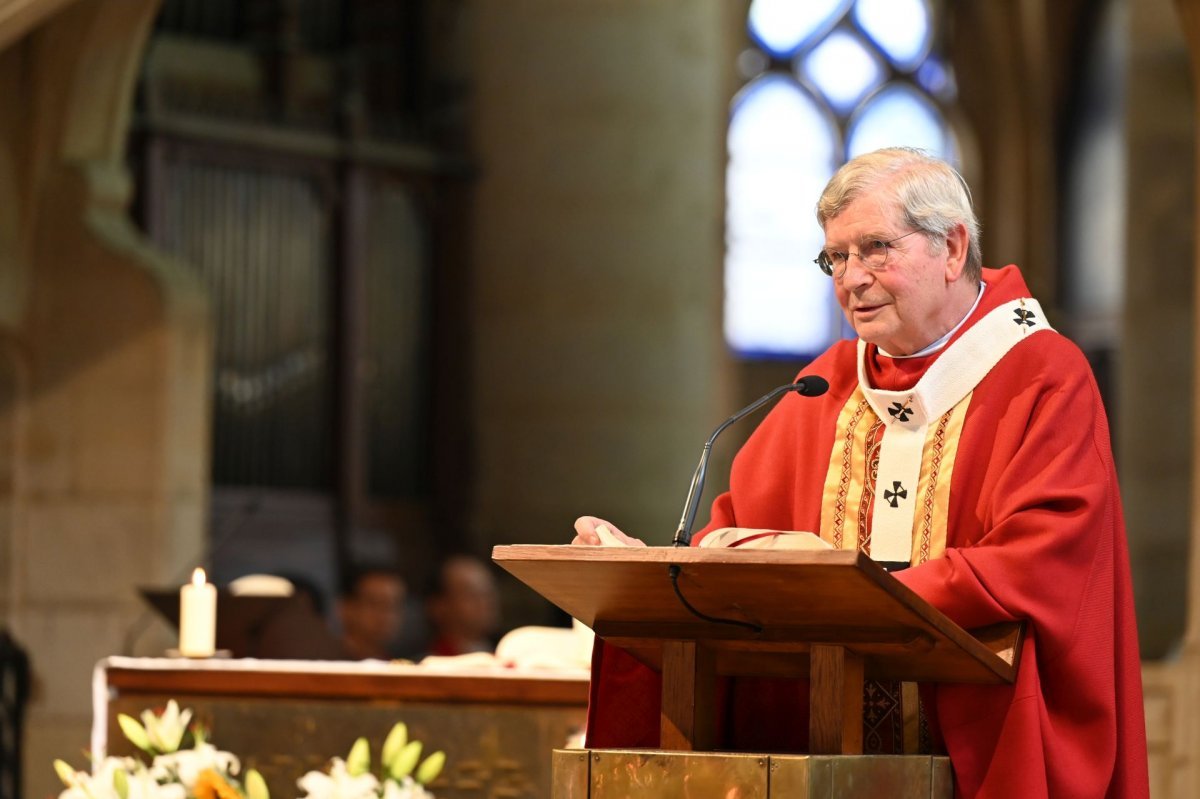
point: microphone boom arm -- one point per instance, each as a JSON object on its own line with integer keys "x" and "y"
{"x": 808, "y": 386}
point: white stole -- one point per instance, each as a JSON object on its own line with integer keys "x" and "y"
{"x": 907, "y": 415}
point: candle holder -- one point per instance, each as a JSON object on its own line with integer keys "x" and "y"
{"x": 240, "y": 619}
{"x": 218, "y": 654}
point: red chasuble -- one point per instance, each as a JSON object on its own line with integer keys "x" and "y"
{"x": 1022, "y": 520}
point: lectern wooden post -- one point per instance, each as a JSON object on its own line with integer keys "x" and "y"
{"x": 834, "y": 617}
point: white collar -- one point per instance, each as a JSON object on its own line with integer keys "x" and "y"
{"x": 941, "y": 342}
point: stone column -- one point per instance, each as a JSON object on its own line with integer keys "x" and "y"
{"x": 1173, "y": 688}
{"x": 600, "y": 130}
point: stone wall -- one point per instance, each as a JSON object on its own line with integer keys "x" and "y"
{"x": 1158, "y": 318}
{"x": 104, "y": 356}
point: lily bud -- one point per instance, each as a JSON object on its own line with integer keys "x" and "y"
{"x": 358, "y": 762}
{"x": 392, "y": 745}
{"x": 256, "y": 786}
{"x": 65, "y": 773}
{"x": 121, "y": 783}
{"x": 406, "y": 761}
{"x": 135, "y": 732}
{"x": 428, "y": 771}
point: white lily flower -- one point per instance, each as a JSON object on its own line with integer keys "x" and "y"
{"x": 165, "y": 732}
{"x": 408, "y": 788}
{"x": 104, "y": 773}
{"x": 186, "y": 764}
{"x": 142, "y": 785}
{"x": 79, "y": 792}
{"x": 338, "y": 783}
{"x": 102, "y": 782}
{"x": 86, "y": 789}
{"x": 82, "y": 785}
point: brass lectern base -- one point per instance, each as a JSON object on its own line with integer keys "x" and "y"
{"x": 622, "y": 773}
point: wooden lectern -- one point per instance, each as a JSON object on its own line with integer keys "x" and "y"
{"x": 833, "y": 617}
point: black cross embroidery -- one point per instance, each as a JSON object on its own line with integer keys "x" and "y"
{"x": 894, "y": 496}
{"x": 1024, "y": 317}
{"x": 901, "y": 412}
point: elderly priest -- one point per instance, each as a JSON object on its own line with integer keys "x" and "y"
{"x": 962, "y": 435}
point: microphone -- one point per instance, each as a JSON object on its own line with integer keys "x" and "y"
{"x": 807, "y": 386}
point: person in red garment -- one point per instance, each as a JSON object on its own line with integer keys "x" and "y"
{"x": 964, "y": 436}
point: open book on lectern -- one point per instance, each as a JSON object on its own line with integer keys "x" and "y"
{"x": 741, "y": 538}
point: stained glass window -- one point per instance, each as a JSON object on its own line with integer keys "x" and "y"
{"x": 781, "y": 27}
{"x": 825, "y": 80}
{"x": 844, "y": 68}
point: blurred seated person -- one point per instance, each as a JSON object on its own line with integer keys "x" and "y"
{"x": 371, "y": 611}
{"x": 297, "y": 629}
{"x": 464, "y": 607}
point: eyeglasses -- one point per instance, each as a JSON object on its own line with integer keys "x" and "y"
{"x": 873, "y": 253}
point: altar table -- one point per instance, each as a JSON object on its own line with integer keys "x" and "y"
{"x": 497, "y": 726}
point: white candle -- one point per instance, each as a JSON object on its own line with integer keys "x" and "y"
{"x": 198, "y": 617}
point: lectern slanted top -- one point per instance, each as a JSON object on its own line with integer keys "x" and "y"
{"x": 833, "y": 617}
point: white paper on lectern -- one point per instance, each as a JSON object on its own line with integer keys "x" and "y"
{"x": 749, "y": 538}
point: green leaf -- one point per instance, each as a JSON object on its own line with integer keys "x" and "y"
{"x": 135, "y": 732}
{"x": 358, "y": 762}
{"x": 121, "y": 783}
{"x": 199, "y": 735}
{"x": 392, "y": 745}
{"x": 65, "y": 773}
{"x": 406, "y": 761}
{"x": 256, "y": 786}
{"x": 431, "y": 768}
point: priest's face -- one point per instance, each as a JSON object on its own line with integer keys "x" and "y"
{"x": 908, "y": 303}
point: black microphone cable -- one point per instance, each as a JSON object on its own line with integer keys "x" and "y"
{"x": 673, "y": 571}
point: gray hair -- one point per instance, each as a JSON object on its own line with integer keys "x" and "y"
{"x": 930, "y": 194}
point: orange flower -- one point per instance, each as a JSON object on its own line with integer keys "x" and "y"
{"x": 211, "y": 785}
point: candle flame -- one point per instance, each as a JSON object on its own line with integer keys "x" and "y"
{"x": 198, "y": 577}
